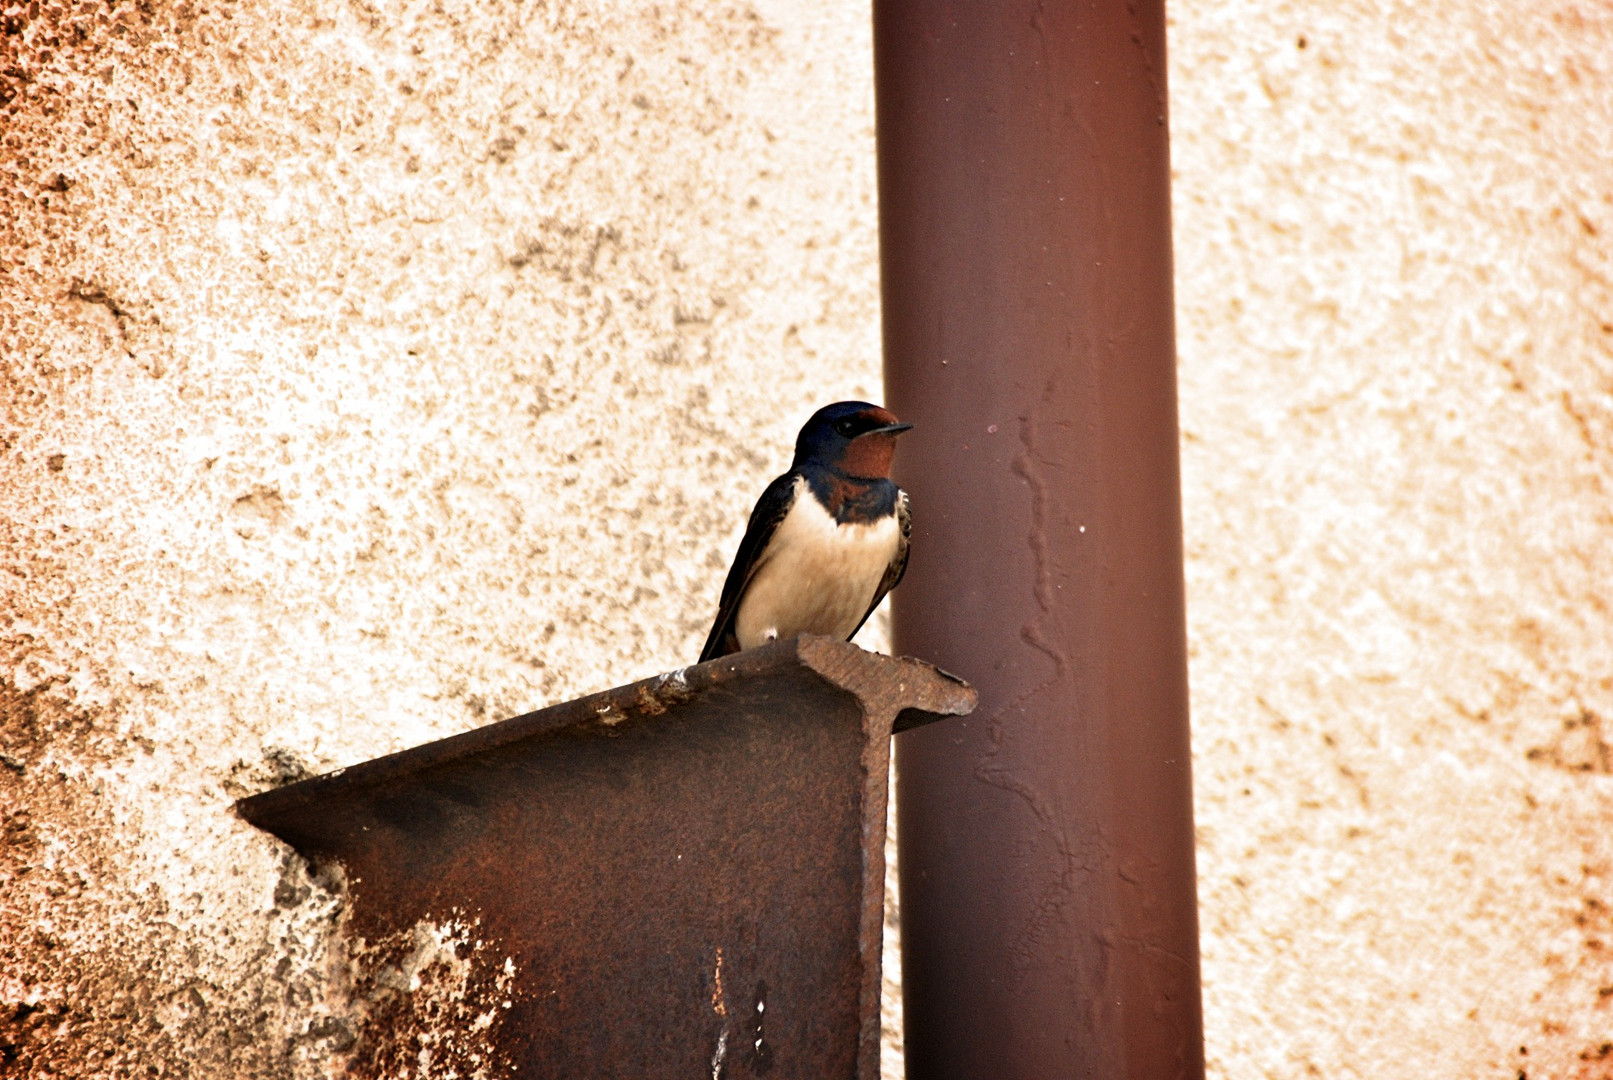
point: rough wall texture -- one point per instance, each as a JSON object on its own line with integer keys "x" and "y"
{"x": 370, "y": 371}
{"x": 1394, "y": 229}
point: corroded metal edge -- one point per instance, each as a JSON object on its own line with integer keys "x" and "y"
{"x": 925, "y": 694}
{"x": 391, "y": 821}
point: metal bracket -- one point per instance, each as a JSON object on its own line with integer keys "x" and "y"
{"x": 683, "y": 877}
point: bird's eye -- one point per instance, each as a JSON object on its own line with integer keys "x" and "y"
{"x": 846, "y": 427}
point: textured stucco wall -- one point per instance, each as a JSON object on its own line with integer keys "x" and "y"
{"x": 370, "y": 372}
{"x": 1394, "y": 230}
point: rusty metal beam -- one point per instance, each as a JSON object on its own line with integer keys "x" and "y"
{"x": 685, "y": 875}
{"x": 1048, "y": 897}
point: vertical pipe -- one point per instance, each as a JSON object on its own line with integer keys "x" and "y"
{"x": 1049, "y": 915}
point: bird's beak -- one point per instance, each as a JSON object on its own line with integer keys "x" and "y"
{"x": 889, "y": 429}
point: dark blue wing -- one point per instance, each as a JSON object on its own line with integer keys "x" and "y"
{"x": 764, "y": 522}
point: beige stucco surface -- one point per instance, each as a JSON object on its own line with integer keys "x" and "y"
{"x": 1394, "y": 236}
{"x": 372, "y": 371}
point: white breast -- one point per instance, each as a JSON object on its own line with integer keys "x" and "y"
{"x": 816, "y": 576}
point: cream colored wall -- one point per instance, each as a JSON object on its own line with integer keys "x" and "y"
{"x": 1394, "y": 243}
{"x": 372, "y": 372}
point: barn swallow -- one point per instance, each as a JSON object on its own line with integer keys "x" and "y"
{"x": 827, "y": 540}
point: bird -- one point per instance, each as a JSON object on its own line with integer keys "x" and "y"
{"x": 827, "y": 540}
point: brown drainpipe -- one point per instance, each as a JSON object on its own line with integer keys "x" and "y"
{"x": 1049, "y": 916}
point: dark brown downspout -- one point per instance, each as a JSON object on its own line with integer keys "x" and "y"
{"x": 1049, "y": 917}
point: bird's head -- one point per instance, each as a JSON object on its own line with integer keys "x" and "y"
{"x": 852, "y": 437}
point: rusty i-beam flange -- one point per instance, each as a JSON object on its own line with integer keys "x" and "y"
{"x": 683, "y": 877}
